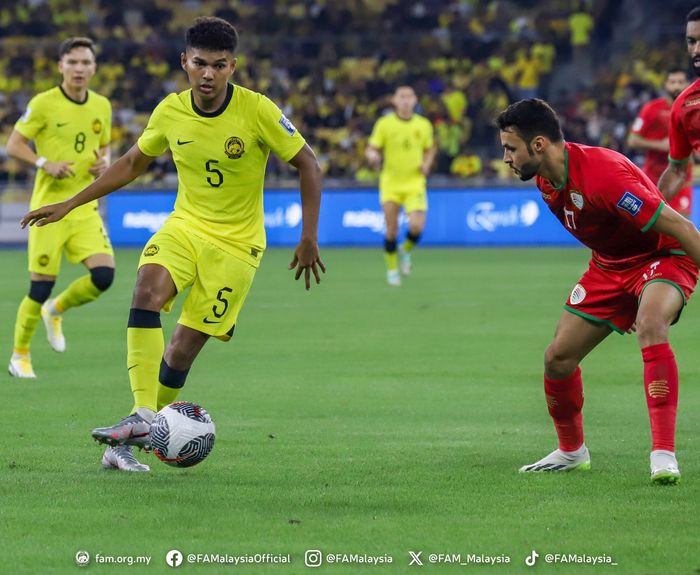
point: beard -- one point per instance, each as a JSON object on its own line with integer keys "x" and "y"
{"x": 528, "y": 171}
{"x": 696, "y": 66}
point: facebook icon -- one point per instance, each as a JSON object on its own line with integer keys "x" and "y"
{"x": 173, "y": 558}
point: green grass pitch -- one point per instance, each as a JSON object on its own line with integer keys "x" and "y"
{"x": 356, "y": 418}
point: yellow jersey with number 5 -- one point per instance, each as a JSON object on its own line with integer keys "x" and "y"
{"x": 403, "y": 143}
{"x": 220, "y": 159}
{"x": 65, "y": 130}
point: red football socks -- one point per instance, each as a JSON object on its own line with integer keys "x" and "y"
{"x": 565, "y": 401}
{"x": 661, "y": 390}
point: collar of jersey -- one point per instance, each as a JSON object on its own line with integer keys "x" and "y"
{"x": 219, "y": 110}
{"x": 87, "y": 94}
{"x": 566, "y": 171}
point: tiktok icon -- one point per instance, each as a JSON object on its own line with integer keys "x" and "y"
{"x": 531, "y": 559}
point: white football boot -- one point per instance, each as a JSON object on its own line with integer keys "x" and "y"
{"x": 405, "y": 263}
{"x": 53, "y": 322}
{"x": 664, "y": 467}
{"x": 21, "y": 366}
{"x": 120, "y": 457}
{"x": 393, "y": 278}
{"x": 560, "y": 460}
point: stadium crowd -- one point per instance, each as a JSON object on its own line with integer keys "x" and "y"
{"x": 331, "y": 66}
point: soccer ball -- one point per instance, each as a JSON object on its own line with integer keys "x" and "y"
{"x": 182, "y": 434}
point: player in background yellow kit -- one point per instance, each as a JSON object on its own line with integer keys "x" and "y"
{"x": 71, "y": 128}
{"x": 220, "y": 135}
{"x": 405, "y": 140}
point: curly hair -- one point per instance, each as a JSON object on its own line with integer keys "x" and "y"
{"x": 211, "y": 33}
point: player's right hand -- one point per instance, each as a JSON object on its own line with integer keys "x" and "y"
{"x": 58, "y": 170}
{"x": 45, "y": 215}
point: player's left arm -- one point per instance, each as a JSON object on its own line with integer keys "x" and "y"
{"x": 307, "y": 258}
{"x": 428, "y": 153}
{"x": 680, "y": 150}
{"x": 671, "y": 223}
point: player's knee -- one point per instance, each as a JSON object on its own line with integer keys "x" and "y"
{"x": 102, "y": 277}
{"x": 651, "y": 329}
{"x": 414, "y": 235}
{"x": 147, "y": 296}
{"x": 39, "y": 291}
{"x": 558, "y": 365}
{"x": 390, "y": 245}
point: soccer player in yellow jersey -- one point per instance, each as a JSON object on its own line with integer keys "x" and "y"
{"x": 406, "y": 141}
{"x": 220, "y": 135}
{"x": 71, "y": 128}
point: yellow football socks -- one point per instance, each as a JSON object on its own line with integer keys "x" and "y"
{"x": 145, "y": 346}
{"x": 80, "y": 292}
{"x": 28, "y": 316}
{"x": 166, "y": 395}
{"x": 392, "y": 260}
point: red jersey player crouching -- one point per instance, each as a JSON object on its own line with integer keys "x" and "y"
{"x": 642, "y": 271}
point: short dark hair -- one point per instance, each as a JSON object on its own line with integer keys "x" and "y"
{"x": 211, "y": 33}
{"x": 76, "y": 42}
{"x": 531, "y": 118}
{"x": 693, "y": 15}
{"x": 677, "y": 70}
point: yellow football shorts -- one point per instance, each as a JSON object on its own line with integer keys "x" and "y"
{"x": 412, "y": 201}
{"x": 218, "y": 281}
{"x": 77, "y": 239}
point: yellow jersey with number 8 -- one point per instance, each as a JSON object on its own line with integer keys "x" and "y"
{"x": 65, "y": 130}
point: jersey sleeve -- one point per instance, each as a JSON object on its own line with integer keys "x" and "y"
{"x": 680, "y": 147}
{"x": 625, "y": 192}
{"x": 33, "y": 120}
{"x": 377, "y": 138}
{"x": 641, "y": 123}
{"x": 153, "y": 142}
{"x": 106, "y": 137}
{"x": 277, "y": 132}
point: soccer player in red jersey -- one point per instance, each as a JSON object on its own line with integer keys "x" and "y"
{"x": 643, "y": 269}
{"x": 649, "y": 134}
{"x": 684, "y": 129}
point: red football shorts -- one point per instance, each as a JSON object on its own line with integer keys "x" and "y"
{"x": 612, "y": 296}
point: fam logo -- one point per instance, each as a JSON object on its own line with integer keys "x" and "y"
{"x": 151, "y": 250}
{"x": 234, "y": 147}
{"x": 97, "y": 125}
{"x": 630, "y": 203}
{"x": 484, "y": 217}
{"x": 44, "y": 260}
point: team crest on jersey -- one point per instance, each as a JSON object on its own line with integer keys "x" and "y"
{"x": 234, "y": 147}
{"x": 577, "y": 199}
{"x": 44, "y": 260}
{"x": 151, "y": 250}
{"x": 578, "y": 294}
{"x": 630, "y": 203}
{"x": 97, "y": 125}
{"x": 287, "y": 125}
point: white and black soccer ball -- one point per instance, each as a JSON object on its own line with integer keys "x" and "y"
{"x": 182, "y": 434}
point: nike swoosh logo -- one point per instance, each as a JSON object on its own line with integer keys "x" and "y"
{"x": 207, "y": 320}
{"x": 179, "y": 143}
{"x": 132, "y": 367}
{"x": 60, "y": 125}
